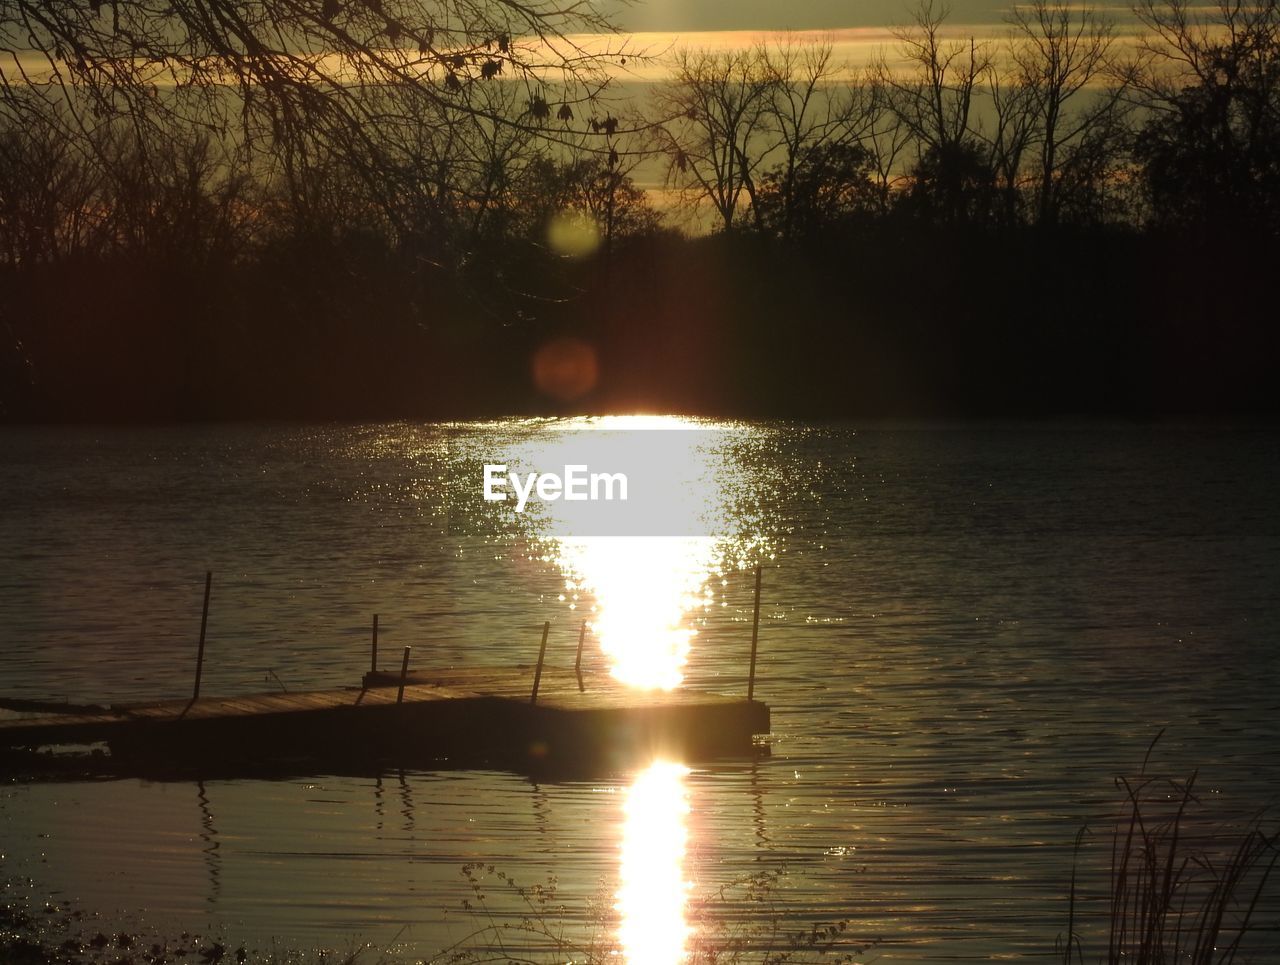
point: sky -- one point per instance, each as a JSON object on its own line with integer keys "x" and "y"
{"x": 765, "y": 15}
{"x": 858, "y": 30}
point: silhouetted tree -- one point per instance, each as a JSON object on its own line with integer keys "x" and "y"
{"x": 727, "y": 117}
{"x": 282, "y": 76}
{"x": 316, "y": 194}
{"x": 607, "y": 192}
{"x": 953, "y": 185}
{"x": 886, "y": 139}
{"x": 712, "y": 128}
{"x": 1012, "y": 140}
{"x": 935, "y": 99}
{"x": 173, "y": 196}
{"x": 592, "y": 187}
{"x": 1210, "y": 152}
{"x": 49, "y": 193}
{"x": 831, "y": 184}
{"x": 810, "y": 118}
{"x": 166, "y": 190}
{"x": 935, "y": 96}
{"x": 1073, "y": 105}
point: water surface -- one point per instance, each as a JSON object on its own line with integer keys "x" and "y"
{"x": 967, "y": 633}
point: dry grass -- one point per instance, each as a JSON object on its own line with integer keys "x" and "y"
{"x": 743, "y": 922}
{"x": 1181, "y": 890}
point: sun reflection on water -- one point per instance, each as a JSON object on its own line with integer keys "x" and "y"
{"x": 647, "y": 589}
{"x": 644, "y": 588}
{"x": 647, "y": 567}
{"x": 653, "y": 892}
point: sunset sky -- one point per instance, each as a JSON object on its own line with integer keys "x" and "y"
{"x": 858, "y": 31}
{"x": 684, "y": 16}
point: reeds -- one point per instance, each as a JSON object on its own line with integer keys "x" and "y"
{"x": 740, "y": 923}
{"x": 1179, "y": 892}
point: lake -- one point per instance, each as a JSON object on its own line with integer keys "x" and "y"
{"x": 967, "y": 633}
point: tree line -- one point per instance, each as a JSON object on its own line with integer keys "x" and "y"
{"x": 1068, "y": 119}
{"x": 245, "y": 203}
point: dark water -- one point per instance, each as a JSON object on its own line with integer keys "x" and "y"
{"x": 967, "y": 633}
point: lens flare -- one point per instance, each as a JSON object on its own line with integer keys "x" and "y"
{"x": 565, "y": 369}
{"x": 653, "y": 892}
{"x": 573, "y": 234}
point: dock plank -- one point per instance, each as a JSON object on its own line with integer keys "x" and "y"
{"x": 443, "y": 710}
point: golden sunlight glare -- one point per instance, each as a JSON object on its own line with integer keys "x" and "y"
{"x": 644, "y": 587}
{"x": 653, "y": 892}
{"x": 649, "y": 581}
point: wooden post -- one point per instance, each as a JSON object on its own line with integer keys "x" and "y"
{"x": 373, "y": 664}
{"x": 755, "y": 636}
{"x": 577, "y": 661}
{"x": 542, "y": 652}
{"x": 204, "y": 622}
{"x": 404, "y": 672}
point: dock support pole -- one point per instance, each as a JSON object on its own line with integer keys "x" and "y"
{"x": 373, "y": 663}
{"x": 204, "y": 622}
{"x": 542, "y": 652}
{"x": 577, "y": 661}
{"x": 755, "y": 636}
{"x": 404, "y": 672}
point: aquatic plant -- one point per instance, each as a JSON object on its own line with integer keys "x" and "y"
{"x": 1179, "y": 891}
{"x": 740, "y": 922}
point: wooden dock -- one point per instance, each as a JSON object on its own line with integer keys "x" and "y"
{"x": 485, "y": 714}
